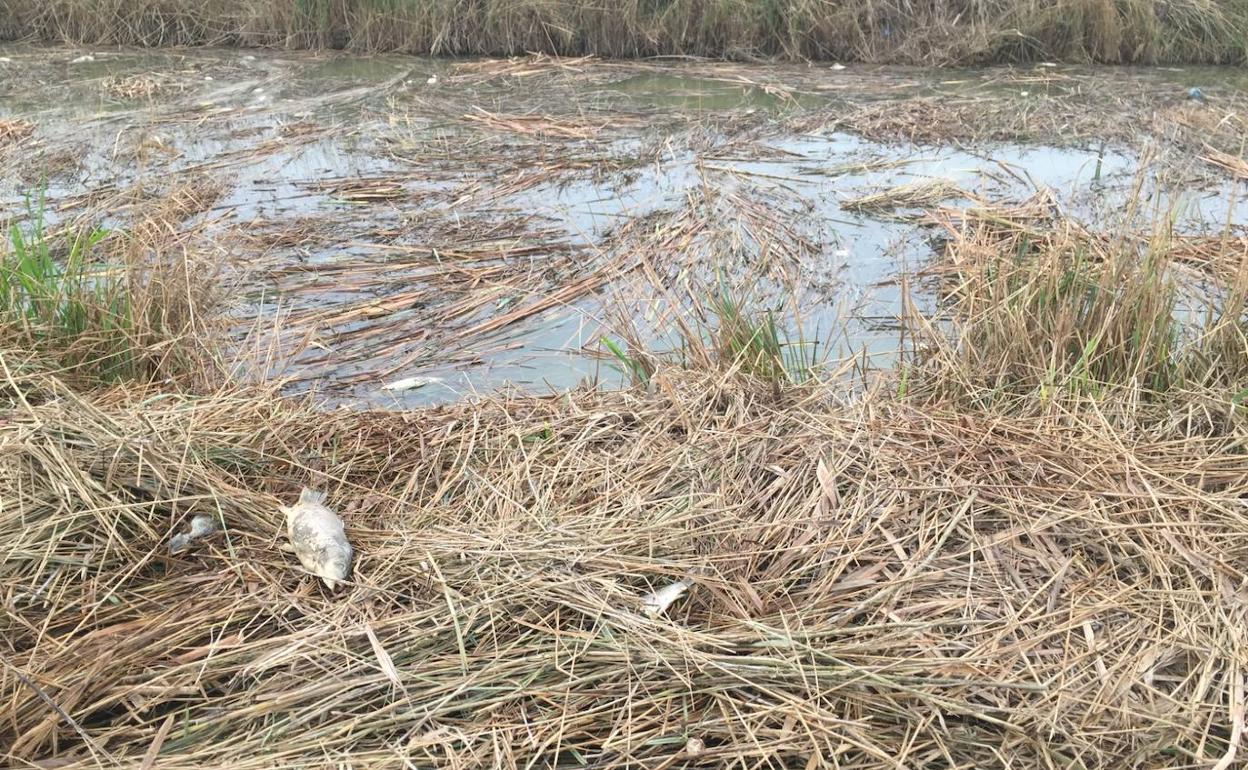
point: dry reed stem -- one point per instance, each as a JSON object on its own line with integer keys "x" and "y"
{"x": 13, "y": 130}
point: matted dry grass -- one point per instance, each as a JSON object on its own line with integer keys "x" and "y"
{"x": 876, "y": 584}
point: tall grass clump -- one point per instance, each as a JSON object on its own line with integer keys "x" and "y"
{"x": 1056, "y": 312}
{"x": 103, "y": 304}
{"x": 752, "y": 340}
{"x": 725, "y": 330}
{"x": 55, "y": 295}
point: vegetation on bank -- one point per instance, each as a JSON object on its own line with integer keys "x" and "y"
{"x": 106, "y": 305}
{"x": 891, "y": 31}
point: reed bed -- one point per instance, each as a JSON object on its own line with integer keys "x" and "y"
{"x": 873, "y": 584}
{"x": 1043, "y": 305}
{"x": 111, "y": 304}
{"x": 942, "y": 32}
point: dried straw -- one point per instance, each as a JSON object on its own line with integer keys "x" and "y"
{"x": 875, "y": 585}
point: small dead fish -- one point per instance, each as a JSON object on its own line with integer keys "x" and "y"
{"x": 656, "y": 603}
{"x": 86, "y": 57}
{"x": 837, "y": 66}
{"x": 411, "y": 383}
{"x": 318, "y": 538}
{"x": 201, "y": 526}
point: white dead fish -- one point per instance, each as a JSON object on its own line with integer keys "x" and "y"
{"x": 432, "y": 81}
{"x": 5, "y": 60}
{"x": 410, "y": 383}
{"x": 318, "y": 538}
{"x": 86, "y": 57}
{"x": 837, "y": 66}
{"x": 656, "y": 603}
{"x": 201, "y": 526}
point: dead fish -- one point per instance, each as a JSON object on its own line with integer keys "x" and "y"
{"x": 201, "y": 526}
{"x": 86, "y": 57}
{"x": 657, "y": 602}
{"x": 318, "y": 538}
{"x": 411, "y": 383}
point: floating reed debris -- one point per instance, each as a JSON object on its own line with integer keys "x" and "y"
{"x": 363, "y": 190}
{"x": 878, "y": 582}
{"x": 138, "y": 86}
{"x": 539, "y": 125}
{"x": 12, "y": 130}
{"x": 918, "y": 194}
{"x": 1235, "y": 165}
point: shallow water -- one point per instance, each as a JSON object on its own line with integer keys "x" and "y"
{"x": 485, "y": 224}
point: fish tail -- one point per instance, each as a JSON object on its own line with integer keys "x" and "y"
{"x": 311, "y": 497}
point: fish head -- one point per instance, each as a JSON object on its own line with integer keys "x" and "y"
{"x": 335, "y": 564}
